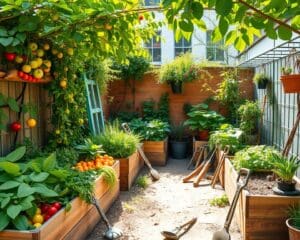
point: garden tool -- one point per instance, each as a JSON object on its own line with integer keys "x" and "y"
{"x": 224, "y": 233}
{"x": 112, "y": 232}
{"x": 197, "y": 156}
{"x": 219, "y": 167}
{"x": 154, "y": 174}
{"x": 175, "y": 233}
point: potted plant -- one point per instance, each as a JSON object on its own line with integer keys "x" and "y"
{"x": 290, "y": 80}
{"x": 293, "y": 222}
{"x": 178, "y": 141}
{"x": 249, "y": 113}
{"x": 261, "y": 79}
{"x": 203, "y": 120}
{"x": 285, "y": 168}
{"x": 155, "y": 139}
{"x": 181, "y": 69}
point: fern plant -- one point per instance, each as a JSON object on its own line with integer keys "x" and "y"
{"x": 285, "y": 168}
{"x": 294, "y": 214}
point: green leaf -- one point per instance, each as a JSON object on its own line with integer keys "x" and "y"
{"x": 296, "y": 22}
{"x": 240, "y": 44}
{"x": 12, "y": 103}
{"x": 13, "y": 210}
{"x": 223, "y": 8}
{"x": 230, "y": 37}
{"x": 11, "y": 168}
{"x": 197, "y": 10}
{"x": 216, "y": 35}
{"x": 186, "y": 26}
{"x": 3, "y": 31}
{"x": 26, "y": 203}
{"x": 21, "y": 36}
{"x": 6, "y": 41}
{"x": 25, "y": 190}
{"x": 200, "y": 24}
{"x": 16, "y": 154}
{"x": 223, "y": 26}
{"x": 44, "y": 191}
{"x": 21, "y": 222}
{"x": 38, "y": 177}
{"x": 68, "y": 207}
{"x": 4, "y": 202}
{"x": 9, "y": 185}
{"x": 4, "y": 220}
{"x": 284, "y": 33}
{"x": 270, "y": 31}
{"x": 49, "y": 163}
{"x": 258, "y": 23}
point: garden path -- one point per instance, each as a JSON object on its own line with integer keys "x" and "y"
{"x": 164, "y": 205}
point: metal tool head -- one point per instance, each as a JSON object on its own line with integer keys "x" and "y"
{"x": 221, "y": 235}
{"x": 113, "y": 233}
{"x": 170, "y": 235}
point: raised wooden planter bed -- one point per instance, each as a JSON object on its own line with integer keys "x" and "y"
{"x": 156, "y": 152}
{"x": 75, "y": 224}
{"x": 129, "y": 169}
{"x": 260, "y": 217}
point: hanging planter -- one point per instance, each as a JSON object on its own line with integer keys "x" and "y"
{"x": 176, "y": 87}
{"x": 291, "y": 83}
{"x": 261, "y": 80}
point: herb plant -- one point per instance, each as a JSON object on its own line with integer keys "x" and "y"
{"x": 261, "y": 78}
{"x": 294, "y": 214}
{"x": 255, "y": 158}
{"x": 178, "y": 132}
{"x": 143, "y": 181}
{"x": 249, "y": 114}
{"x": 89, "y": 149}
{"x": 222, "y": 201}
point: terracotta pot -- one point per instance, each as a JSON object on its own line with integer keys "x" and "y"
{"x": 204, "y": 135}
{"x": 291, "y": 83}
{"x": 294, "y": 233}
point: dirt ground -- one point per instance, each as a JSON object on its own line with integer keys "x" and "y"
{"x": 143, "y": 213}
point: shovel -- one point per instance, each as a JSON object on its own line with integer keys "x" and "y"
{"x": 112, "y": 232}
{"x": 175, "y": 233}
{"x": 154, "y": 174}
{"x": 224, "y": 233}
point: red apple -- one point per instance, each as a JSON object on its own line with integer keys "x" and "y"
{"x": 15, "y": 126}
{"x": 10, "y": 56}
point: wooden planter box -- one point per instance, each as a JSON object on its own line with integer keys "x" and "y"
{"x": 156, "y": 152}
{"x": 129, "y": 169}
{"x": 260, "y": 217}
{"x": 197, "y": 143}
{"x": 75, "y": 224}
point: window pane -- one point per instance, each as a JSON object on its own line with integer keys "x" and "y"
{"x": 156, "y": 55}
{"x": 219, "y": 54}
{"x": 187, "y": 43}
{"x": 148, "y": 44}
{"x": 187, "y": 50}
{"x": 210, "y": 54}
{"x": 156, "y": 40}
{"x": 178, "y": 51}
{"x": 179, "y": 43}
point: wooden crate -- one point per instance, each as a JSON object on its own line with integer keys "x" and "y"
{"x": 197, "y": 143}
{"x": 260, "y": 217}
{"x": 129, "y": 169}
{"x": 156, "y": 152}
{"x": 75, "y": 224}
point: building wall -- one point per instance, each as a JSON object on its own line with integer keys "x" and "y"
{"x": 119, "y": 97}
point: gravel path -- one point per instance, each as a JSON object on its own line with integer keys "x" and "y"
{"x": 164, "y": 205}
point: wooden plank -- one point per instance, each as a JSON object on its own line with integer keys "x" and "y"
{"x": 156, "y": 151}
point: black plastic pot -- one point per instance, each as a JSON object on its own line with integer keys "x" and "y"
{"x": 286, "y": 186}
{"x": 178, "y": 149}
{"x": 176, "y": 87}
{"x": 262, "y": 85}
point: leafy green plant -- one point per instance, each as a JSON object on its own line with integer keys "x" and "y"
{"x": 143, "y": 181}
{"x": 117, "y": 143}
{"x": 294, "y": 214}
{"x": 222, "y": 201}
{"x": 227, "y": 136}
{"x": 178, "y": 132}
{"x": 66, "y": 157}
{"x": 163, "y": 108}
{"x": 255, "y": 158}
{"x": 154, "y": 130}
{"x": 148, "y": 108}
{"x": 249, "y": 113}
{"x": 261, "y": 78}
{"x": 181, "y": 69}
{"x": 89, "y": 149}
{"x": 201, "y": 118}
{"x": 123, "y": 116}
{"x": 285, "y": 168}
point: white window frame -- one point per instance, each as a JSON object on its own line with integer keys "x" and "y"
{"x": 215, "y": 46}
{"x": 152, "y": 47}
{"x": 182, "y": 47}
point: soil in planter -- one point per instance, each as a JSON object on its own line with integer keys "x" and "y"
{"x": 258, "y": 184}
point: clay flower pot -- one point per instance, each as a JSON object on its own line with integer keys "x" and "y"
{"x": 204, "y": 135}
{"x": 294, "y": 233}
{"x": 291, "y": 83}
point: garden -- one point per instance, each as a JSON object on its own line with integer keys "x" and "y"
{"x": 97, "y": 142}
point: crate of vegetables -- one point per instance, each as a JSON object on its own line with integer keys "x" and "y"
{"x": 40, "y": 200}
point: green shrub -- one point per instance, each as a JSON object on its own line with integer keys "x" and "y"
{"x": 143, "y": 181}
{"x": 255, "y": 158}
{"x": 66, "y": 157}
{"x": 222, "y": 201}
{"x": 117, "y": 143}
{"x": 249, "y": 113}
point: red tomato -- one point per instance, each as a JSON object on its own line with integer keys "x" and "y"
{"x": 141, "y": 17}
{"x": 10, "y": 56}
{"x": 46, "y": 217}
{"x": 45, "y": 208}
{"x": 57, "y": 205}
{"x": 15, "y": 126}
{"x": 51, "y": 211}
{"x": 30, "y": 78}
{"x": 25, "y": 76}
{"x": 20, "y": 74}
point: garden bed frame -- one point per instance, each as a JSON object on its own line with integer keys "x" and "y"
{"x": 260, "y": 217}
{"x": 75, "y": 224}
{"x": 156, "y": 152}
{"x": 129, "y": 169}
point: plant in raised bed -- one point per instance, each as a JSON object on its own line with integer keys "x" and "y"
{"x": 249, "y": 113}
{"x": 182, "y": 69}
{"x": 204, "y": 120}
{"x": 293, "y": 222}
{"x": 255, "y": 158}
{"x": 261, "y": 79}
{"x": 285, "y": 168}
{"x": 227, "y": 136}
